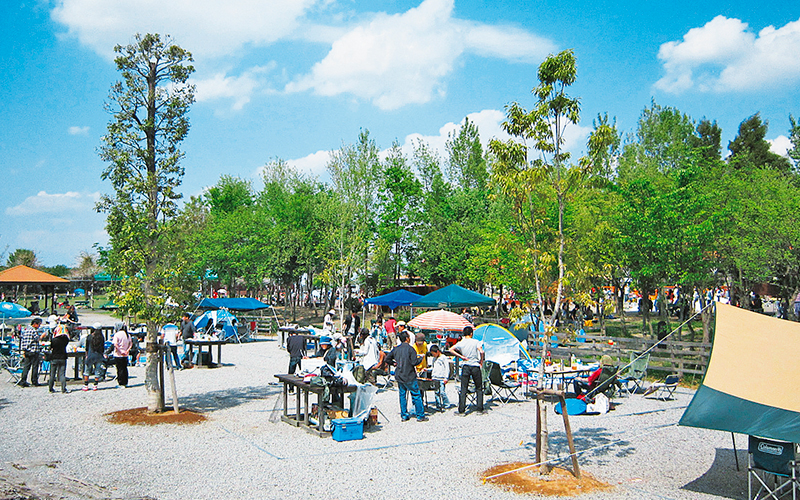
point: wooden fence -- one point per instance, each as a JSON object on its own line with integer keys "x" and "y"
{"x": 668, "y": 357}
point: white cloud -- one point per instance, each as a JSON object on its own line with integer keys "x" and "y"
{"x": 313, "y": 164}
{"x": 723, "y": 55}
{"x": 44, "y": 203}
{"x": 208, "y": 28}
{"x": 239, "y": 89}
{"x": 78, "y": 130}
{"x": 395, "y": 60}
{"x": 780, "y": 145}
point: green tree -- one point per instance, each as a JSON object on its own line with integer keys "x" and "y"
{"x": 548, "y": 177}
{"x": 149, "y": 106}
{"x": 23, "y": 257}
{"x": 750, "y": 148}
{"x": 466, "y": 166}
{"x": 400, "y": 197}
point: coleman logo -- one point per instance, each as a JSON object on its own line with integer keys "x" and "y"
{"x": 770, "y": 448}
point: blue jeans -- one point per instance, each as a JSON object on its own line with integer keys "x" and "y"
{"x": 442, "y": 401}
{"x": 416, "y": 399}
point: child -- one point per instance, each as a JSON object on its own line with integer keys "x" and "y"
{"x": 441, "y": 372}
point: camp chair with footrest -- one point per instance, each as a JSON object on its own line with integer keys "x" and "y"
{"x": 772, "y": 467}
{"x": 664, "y": 390}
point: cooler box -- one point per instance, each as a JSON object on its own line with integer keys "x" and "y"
{"x": 348, "y": 429}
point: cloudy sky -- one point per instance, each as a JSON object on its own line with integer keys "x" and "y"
{"x": 295, "y": 80}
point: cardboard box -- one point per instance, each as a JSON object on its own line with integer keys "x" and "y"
{"x": 335, "y": 413}
{"x": 348, "y": 429}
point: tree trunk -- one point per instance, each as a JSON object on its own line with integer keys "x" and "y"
{"x": 155, "y": 399}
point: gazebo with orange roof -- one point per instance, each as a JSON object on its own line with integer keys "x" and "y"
{"x": 24, "y": 275}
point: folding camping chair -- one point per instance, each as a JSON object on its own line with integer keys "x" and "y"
{"x": 631, "y": 380}
{"x": 472, "y": 398}
{"x": 10, "y": 361}
{"x": 664, "y": 390}
{"x": 772, "y": 466}
{"x": 504, "y": 390}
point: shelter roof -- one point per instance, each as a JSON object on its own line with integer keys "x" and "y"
{"x": 24, "y": 274}
{"x": 453, "y": 296}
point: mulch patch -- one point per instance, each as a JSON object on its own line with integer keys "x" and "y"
{"x": 140, "y": 416}
{"x": 560, "y": 482}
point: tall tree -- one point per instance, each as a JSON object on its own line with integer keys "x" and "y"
{"x": 750, "y": 149}
{"x": 150, "y": 107}
{"x": 23, "y": 257}
{"x": 547, "y": 177}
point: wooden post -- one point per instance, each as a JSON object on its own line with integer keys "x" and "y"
{"x": 175, "y": 405}
{"x": 538, "y": 432}
{"x": 160, "y": 352}
{"x": 576, "y": 470}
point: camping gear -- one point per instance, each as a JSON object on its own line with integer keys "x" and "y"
{"x": 773, "y": 466}
{"x": 222, "y": 320}
{"x": 574, "y": 406}
{"x": 505, "y": 390}
{"x": 233, "y": 304}
{"x": 347, "y": 429}
{"x": 453, "y": 296}
{"x": 499, "y": 345}
{"x": 751, "y": 383}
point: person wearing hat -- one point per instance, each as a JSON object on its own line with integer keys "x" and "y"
{"x": 94, "y": 362}
{"x": 582, "y": 385}
{"x": 328, "y": 323}
{"x": 326, "y": 351}
{"x": 422, "y": 350}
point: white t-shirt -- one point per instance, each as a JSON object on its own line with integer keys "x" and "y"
{"x": 470, "y": 349}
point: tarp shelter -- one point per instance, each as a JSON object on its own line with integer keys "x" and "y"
{"x": 218, "y": 317}
{"x": 24, "y": 275}
{"x": 499, "y": 345}
{"x": 394, "y": 300}
{"x": 234, "y": 304}
{"x": 453, "y": 296}
{"x": 751, "y": 384}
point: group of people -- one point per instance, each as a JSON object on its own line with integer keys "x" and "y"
{"x": 57, "y": 333}
{"x": 409, "y": 361}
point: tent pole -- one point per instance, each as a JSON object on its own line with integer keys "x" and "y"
{"x": 735, "y": 453}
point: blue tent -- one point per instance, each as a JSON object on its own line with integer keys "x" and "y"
{"x": 499, "y": 345}
{"x": 234, "y": 304}
{"x": 79, "y": 291}
{"x": 453, "y": 296}
{"x": 218, "y": 317}
{"x": 395, "y": 299}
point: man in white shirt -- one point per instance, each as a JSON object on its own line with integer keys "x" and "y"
{"x": 470, "y": 351}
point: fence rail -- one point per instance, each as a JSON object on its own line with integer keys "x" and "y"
{"x": 668, "y": 357}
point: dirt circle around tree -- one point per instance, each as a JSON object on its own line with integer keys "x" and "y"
{"x": 560, "y": 482}
{"x": 140, "y": 416}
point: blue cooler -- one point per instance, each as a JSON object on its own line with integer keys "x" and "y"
{"x": 348, "y": 429}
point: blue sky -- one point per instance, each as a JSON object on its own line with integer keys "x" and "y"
{"x": 296, "y": 80}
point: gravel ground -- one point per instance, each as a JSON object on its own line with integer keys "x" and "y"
{"x": 59, "y": 445}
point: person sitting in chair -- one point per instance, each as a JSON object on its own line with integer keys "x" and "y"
{"x": 582, "y": 385}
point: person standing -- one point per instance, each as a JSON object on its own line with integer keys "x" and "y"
{"x": 352, "y": 325}
{"x": 391, "y": 337}
{"x": 93, "y": 364}
{"x": 58, "y": 356}
{"x": 440, "y": 372}
{"x": 470, "y": 352}
{"x": 328, "y": 323}
{"x": 188, "y": 331}
{"x": 421, "y": 347}
{"x": 169, "y": 335}
{"x": 122, "y": 346}
{"x": 296, "y": 346}
{"x": 31, "y": 357}
{"x": 406, "y": 359}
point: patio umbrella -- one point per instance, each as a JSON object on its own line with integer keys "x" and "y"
{"x": 12, "y": 310}
{"x": 440, "y": 320}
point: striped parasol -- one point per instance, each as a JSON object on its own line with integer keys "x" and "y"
{"x": 440, "y": 320}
